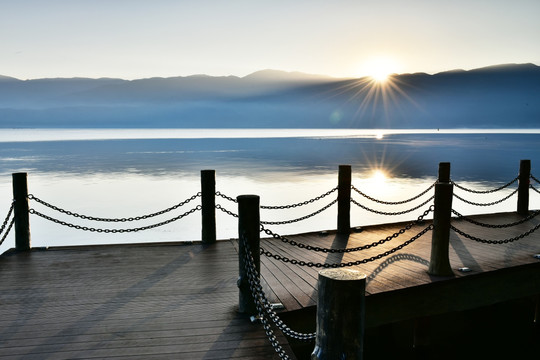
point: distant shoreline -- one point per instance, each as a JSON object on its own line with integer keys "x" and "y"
{"x": 74, "y": 134}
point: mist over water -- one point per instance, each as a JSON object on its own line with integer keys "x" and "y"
{"x": 131, "y": 177}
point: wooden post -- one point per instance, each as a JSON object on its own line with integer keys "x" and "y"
{"x": 20, "y": 212}
{"x": 439, "y": 264}
{"x": 248, "y": 228}
{"x": 523, "y": 187}
{"x": 344, "y": 199}
{"x": 208, "y": 203}
{"x": 340, "y": 315}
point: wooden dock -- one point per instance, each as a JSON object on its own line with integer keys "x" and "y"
{"x": 165, "y": 301}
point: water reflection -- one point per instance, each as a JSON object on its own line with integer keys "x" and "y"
{"x": 125, "y": 178}
{"x": 474, "y": 157}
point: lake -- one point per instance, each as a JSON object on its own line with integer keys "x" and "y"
{"x": 132, "y": 172}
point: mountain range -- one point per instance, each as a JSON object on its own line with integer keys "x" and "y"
{"x": 502, "y": 96}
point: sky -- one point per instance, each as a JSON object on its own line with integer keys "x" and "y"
{"x": 133, "y": 39}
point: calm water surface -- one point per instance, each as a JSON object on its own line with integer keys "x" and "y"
{"x": 127, "y": 173}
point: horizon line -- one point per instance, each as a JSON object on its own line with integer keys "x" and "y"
{"x": 300, "y": 73}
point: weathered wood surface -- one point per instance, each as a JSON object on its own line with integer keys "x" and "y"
{"x": 126, "y": 302}
{"x": 403, "y": 276}
{"x": 180, "y": 301}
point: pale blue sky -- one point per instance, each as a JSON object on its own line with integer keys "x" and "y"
{"x": 142, "y": 38}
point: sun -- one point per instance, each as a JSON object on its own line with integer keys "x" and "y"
{"x": 380, "y": 68}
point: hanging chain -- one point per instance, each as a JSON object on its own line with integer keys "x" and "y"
{"x": 263, "y": 307}
{"x": 498, "y": 226}
{"x": 348, "y": 250}
{"x": 486, "y": 204}
{"x": 259, "y": 296}
{"x": 350, "y": 263}
{"x": 92, "y": 218}
{"x": 301, "y": 218}
{"x": 535, "y": 179}
{"x": 6, "y": 222}
{"x": 85, "y": 228}
{"x": 218, "y": 193}
{"x": 505, "y": 241}
{"x": 392, "y": 213}
{"x": 219, "y": 207}
{"x": 393, "y": 202}
{"x": 10, "y": 211}
{"x": 310, "y": 201}
{"x": 485, "y": 191}
{"x": 281, "y": 207}
{"x": 535, "y": 189}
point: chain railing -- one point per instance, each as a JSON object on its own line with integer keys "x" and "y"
{"x": 130, "y": 219}
{"x": 307, "y": 202}
{"x": 392, "y": 213}
{"x": 114, "y": 231}
{"x": 115, "y": 220}
{"x": 347, "y": 250}
{"x": 485, "y": 191}
{"x": 535, "y": 179}
{"x": 504, "y": 241}
{"x": 393, "y": 202}
{"x": 5, "y": 223}
{"x": 486, "y": 204}
{"x": 283, "y": 222}
{"x": 496, "y": 226}
{"x": 265, "y": 312}
{"x": 282, "y": 207}
{"x": 534, "y": 189}
{"x": 350, "y": 263}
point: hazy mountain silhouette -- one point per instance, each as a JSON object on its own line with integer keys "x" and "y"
{"x": 495, "y": 96}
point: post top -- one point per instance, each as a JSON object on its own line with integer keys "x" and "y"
{"x": 444, "y": 172}
{"x": 342, "y": 274}
{"x": 247, "y": 197}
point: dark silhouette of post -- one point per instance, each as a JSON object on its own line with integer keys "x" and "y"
{"x": 340, "y": 315}
{"x": 523, "y": 187}
{"x": 248, "y": 230}
{"x": 208, "y": 204}
{"x": 20, "y": 212}
{"x": 439, "y": 264}
{"x": 344, "y": 200}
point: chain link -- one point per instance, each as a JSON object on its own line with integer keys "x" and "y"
{"x": 535, "y": 179}
{"x": 393, "y": 202}
{"x": 505, "y": 241}
{"x": 350, "y": 263}
{"x": 299, "y": 219}
{"x": 348, "y": 250}
{"x": 92, "y": 218}
{"x": 486, "y": 204}
{"x": 6, "y": 222}
{"x": 10, "y": 211}
{"x": 535, "y": 189}
{"x": 391, "y": 213}
{"x": 498, "y": 226}
{"x": 219, "y": 207}
{"x": 85, "y": 228}
{"x": 292, "y": 206}
{"x": 485, "y": 191}
{"x": 218, "y": 193}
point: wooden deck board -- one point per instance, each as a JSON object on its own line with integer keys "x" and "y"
{"x": 179, "y": 301}
{"x": 168, "y": 301}
{"x": 408, "y": 267}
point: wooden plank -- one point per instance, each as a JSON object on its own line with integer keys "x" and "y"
{"x": 134, "y": 302}
{"x": 174, "y": 300}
